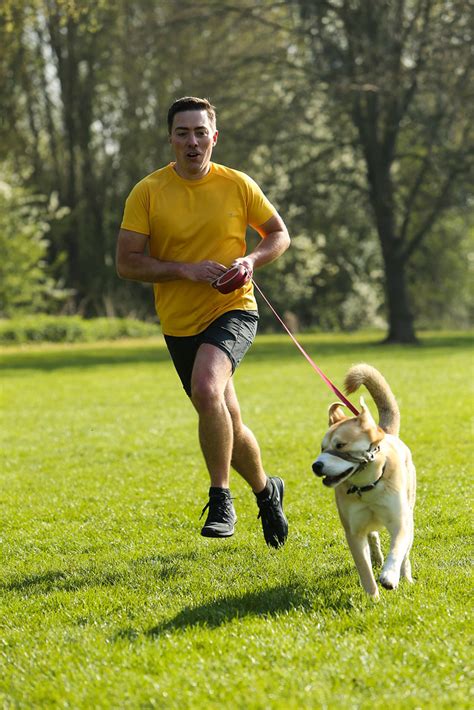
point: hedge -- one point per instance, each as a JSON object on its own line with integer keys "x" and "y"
{"x": 72, "y": 329}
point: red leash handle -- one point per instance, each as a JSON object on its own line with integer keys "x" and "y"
{"x": 330, "y": 384}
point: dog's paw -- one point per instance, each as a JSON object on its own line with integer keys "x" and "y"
{"x": 371, "y": 589}
{"x": 374, "y": 596}
{"x": 389, "y": 579}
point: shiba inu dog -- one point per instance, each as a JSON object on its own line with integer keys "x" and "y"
{"x": 372, "y": 473}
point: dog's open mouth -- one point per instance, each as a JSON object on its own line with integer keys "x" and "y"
{"x": 333, "y": 481}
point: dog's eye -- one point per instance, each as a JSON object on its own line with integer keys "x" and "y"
{"x": 340, "y": 446}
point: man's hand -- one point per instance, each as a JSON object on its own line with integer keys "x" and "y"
{"x": 206, "y": 271}
{"x": 246, "y": 262}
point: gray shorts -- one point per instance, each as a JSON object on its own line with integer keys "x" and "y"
{"x": 233, "y": 332}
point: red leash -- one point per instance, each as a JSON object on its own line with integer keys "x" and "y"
{"x": 331, "y": 386}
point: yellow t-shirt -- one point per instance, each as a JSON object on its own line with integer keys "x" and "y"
{"x": 193, "y": 220}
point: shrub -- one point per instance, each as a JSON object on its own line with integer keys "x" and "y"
{"x": 26, "y": 281}
{"x": 72, "y": 329}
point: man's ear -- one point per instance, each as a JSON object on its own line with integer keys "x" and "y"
{"x": 336, "y": 413}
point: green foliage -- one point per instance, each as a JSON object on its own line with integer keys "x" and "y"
{"x": 26, "y": 281}
{"x": 84, "y": 89}
{"x": 441, "y": 280}
{"x": 23, "y": 279}
{"x": 111, "y": 599}
{"x": 72, "y": 329}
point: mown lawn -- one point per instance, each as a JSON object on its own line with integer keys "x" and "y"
{"x": 109, "y": 596}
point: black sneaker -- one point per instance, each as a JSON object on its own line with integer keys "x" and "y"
{"x": 274, "y": 523}
{"x": 221, "y": 517}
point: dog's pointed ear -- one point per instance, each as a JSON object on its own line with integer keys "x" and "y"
{"x": 367, "y": 424}
{"x": 365, "y": 418}
{"x": 336, "y": 413}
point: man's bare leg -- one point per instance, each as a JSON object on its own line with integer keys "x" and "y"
{"x": 223, "y": 436}
{"x": 246, "y": 457}
{"x": 247, "y": 460}
{"x": 211, "y": 373}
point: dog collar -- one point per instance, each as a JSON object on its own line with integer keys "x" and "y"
{"x": 369, "y": 487}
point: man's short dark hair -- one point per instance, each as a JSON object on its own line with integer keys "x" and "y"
{"x": 191, "y": 103}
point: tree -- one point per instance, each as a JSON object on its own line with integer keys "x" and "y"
{"x": 399, "y": 71}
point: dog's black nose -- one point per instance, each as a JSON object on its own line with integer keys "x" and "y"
{"x": 318, "y": 467}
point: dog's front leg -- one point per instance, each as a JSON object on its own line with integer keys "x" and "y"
{"x": 359, "y": 547}
{"x": 401, "y": 533}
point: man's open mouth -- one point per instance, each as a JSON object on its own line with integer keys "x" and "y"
{"x": 193, "y": 155}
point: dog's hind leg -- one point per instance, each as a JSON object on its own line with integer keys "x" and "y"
{"x": 406, "y": 564}
{"x": 375, "y": 550}
{"x": 406, "y": 569}
{"x": 359, "y": 546}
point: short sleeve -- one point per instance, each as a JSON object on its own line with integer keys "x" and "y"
{"x": 136, "y": 215}
{"x": 259, "y": 207}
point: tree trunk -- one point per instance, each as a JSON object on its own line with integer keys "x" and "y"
{"x": 399, "y": 315}
{"x": 400, "y": 318}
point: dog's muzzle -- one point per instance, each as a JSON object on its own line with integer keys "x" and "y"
{"x": 335, "y": 467}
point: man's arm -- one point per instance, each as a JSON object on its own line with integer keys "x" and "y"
{"x": 275, "y": 240}
{"x": 134, "y": 263}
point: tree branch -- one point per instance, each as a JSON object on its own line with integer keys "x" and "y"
{"x": 440, "y": 205}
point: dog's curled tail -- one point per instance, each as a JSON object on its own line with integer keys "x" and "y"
{"x": 389, "y": 413}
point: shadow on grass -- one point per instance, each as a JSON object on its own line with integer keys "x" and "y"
{"x": 164, "y": 568}
{"x": 266, "y": 603}
{"x": 323, "y": 346}
{"x": 273, "y": 347}
{"x": 58, "y": 581}
{"x": 280, "y": 348}
{"x": 83, "y": 358}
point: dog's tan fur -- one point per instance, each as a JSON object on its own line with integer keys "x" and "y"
{"x": 390, "y": 503}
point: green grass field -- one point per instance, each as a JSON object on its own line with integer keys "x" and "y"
{"x": 109, "y": 596}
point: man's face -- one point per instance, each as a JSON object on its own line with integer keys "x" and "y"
{"x": 192, "y": 138}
